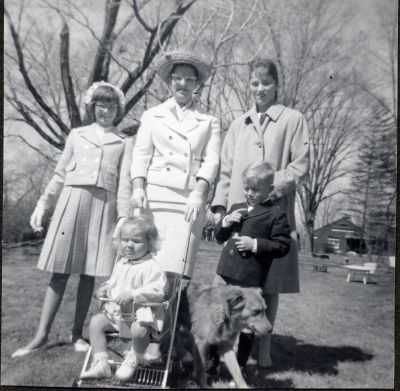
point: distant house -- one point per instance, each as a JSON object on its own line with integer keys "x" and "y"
{"x": 339, "y": 237}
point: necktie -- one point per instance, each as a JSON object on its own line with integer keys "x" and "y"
{"x": 262, "y": 118}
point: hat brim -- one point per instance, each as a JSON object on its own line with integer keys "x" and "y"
{"x": 170, "y": 59}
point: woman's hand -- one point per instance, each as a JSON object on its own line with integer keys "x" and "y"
{"x": 139, "y": 199}
{"x": 193, "y": 204}
{"x": 124, "y": 298}
{"x": 244, "y": 243}
{"x": 118, "y": 227}
{"x": 37, "y": 219}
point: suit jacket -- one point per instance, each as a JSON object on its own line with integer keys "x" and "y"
{"x": 172, "y": 153}
{"x": 266, "y": 223}
{"x": 88, "y": 161}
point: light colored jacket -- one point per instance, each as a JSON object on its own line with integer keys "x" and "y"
{"x": 174, "y": 154}
{"x": 88, "y": 161}
{"x": 282, "y": 141}
{"x": 146, "y": 282}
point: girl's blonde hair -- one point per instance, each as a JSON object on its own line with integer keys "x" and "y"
{"x": 145, "y": 224}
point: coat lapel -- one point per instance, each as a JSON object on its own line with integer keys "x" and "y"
{"x": 258, "y": 210}
{"x": 168, "y": 118}
{"x": 89, "y": 134}
{"x": 111, "y": 137}
{"x": 191, "y": 121}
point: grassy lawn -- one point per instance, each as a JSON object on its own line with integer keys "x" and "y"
{"x": 332, "y": 335}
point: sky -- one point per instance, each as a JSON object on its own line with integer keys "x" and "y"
{"x": 362, "y": 31}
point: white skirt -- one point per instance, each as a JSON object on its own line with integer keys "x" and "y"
{"x": 167, "y": 206}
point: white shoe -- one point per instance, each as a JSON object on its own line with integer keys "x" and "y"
{"x": 128, "y": 366}
{"x": 152, "y": 354}
{"x": 80, "y": 345}
{"x": 100, "y": 368}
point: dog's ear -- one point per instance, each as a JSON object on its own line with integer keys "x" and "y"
{"x": 235, "y": 299}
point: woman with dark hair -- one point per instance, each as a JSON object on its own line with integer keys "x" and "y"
{"x": 175, "y": 159}
{"x": 278, "y": 135}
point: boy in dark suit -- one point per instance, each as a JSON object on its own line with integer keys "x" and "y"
{"x": 256, "y": 232}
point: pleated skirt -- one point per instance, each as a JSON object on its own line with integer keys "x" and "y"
{"x": 79, "y": 239}
{"x": 167, "y": 206}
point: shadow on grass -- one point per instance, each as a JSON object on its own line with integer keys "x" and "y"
{"x": 290, "y": 354}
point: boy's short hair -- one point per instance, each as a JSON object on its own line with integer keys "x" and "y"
{"x": 145, "y": 224}
{"x": 258, "y": 172}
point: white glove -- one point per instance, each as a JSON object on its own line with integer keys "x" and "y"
{"x": 37, "y": 218}
{"x": 118, "y": 227}
{"x": 193, "y": 204}
{"x": 139, "y": 199}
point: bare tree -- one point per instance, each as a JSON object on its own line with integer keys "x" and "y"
{"x": 49, "y": 103}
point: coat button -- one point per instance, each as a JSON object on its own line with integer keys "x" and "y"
{"x": 170, "y": 137}
{"x": 186, "y": 155}
{"x": 168, "y": 169}
{"x": 231, "y": 252}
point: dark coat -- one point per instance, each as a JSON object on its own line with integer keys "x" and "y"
{"x": 266, "y": 223}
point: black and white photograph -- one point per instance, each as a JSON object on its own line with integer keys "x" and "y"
{"x": 199, "y": 194}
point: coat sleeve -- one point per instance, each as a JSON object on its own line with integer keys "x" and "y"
{"x": 286, "y": 180}
{"x": 225, "y": 170}
{"x": 56, "y": 183}
{"x": 210, "y": 153}
{"x": 144, "y": 148}
{"x": 222, "y": 234}
{"x": 154, "y": 284}
{"x": 278, "y": 245}
{"x": 125, "y": 184}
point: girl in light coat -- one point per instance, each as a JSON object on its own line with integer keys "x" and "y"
{"x": 79, "y": 240}
{"x": 278, "y": 135}
{"x": 175, "y": 159}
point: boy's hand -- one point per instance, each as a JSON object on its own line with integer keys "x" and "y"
{"x": 124, "y": 298}
{"x": 234, "y": 217}
{"x": 244, "y": 243}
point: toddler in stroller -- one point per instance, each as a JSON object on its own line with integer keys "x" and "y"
{"x": 136, "y": 280}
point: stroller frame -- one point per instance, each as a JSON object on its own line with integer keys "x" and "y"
{"x": 147, "y": 375}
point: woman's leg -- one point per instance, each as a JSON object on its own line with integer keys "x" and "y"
{"x": 264, "y": 347}
{"x": 54, "y": 294}
{"x": 83, "y": 300}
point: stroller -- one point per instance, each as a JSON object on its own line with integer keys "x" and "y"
{"x": 148, "y": 374}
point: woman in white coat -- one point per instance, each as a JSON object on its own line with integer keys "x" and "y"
{"x": 175, "y": 159}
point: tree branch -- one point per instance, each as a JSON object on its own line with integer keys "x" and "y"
{"x": 27, "y": 79}
{"x": 69, "y": 93}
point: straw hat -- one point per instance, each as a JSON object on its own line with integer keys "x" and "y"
{"x": 166, "y": 63}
